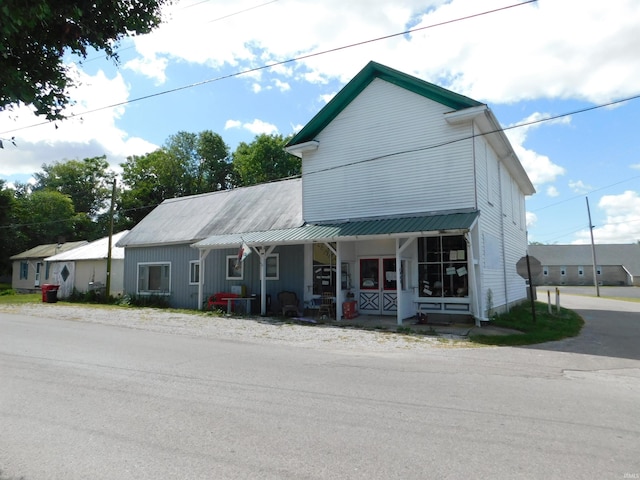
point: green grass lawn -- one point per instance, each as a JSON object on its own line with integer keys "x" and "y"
{"x": 547, "y": 327}
{"x": 9, "y": 296}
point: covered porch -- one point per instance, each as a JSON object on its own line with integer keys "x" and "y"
{"x": 394, "y": 292}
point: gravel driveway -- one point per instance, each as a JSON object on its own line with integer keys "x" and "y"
{"x": 257, "y": 330}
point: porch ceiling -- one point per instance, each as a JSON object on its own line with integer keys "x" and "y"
{"x": 330, "y": 232}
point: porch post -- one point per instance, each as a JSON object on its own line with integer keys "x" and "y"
{"x": 338, "y": 281}
{"x": 473, "y": 287}
{"x": 400, "y": 311}
{"x": 399, "y": 296}
{"x": 263, "y": 276}
{"x": 202, "y": 257}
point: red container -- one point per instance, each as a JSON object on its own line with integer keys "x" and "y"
{"x": 49, "y": 293}
{"x": 349, "y": 310}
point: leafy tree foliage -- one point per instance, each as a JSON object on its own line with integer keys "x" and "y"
{"x": 214, "y": 169}
{"x": 37, "y": 33}
{"x": 44, "y": 217}
{"x": 204, "y": 158}
{"x": 264, "y": 160}
{"x": 148, "y": 179}
{"x": 87, "y": 182}
{"x": 188, "y": 164}
{"x": 7, "y": 234}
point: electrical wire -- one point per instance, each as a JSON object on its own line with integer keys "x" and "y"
{"x": 421, "y": 149}
{"x": 274, "y": 64}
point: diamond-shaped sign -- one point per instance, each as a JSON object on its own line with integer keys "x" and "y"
{"x": 65, "y": 273}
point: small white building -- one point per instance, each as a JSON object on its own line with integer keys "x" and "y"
{"x": 85, "y": 268}
{"x": 30, "y": 271}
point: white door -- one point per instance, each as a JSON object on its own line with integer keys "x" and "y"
{"x": 64, "y": 274}
{"x": 38, "y": 273}
{"x": 378, "y": 287}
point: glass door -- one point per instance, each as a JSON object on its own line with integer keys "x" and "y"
{"x": 378, "y": 286}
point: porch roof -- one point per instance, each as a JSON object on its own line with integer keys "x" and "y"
{"x": 349, "y": 230}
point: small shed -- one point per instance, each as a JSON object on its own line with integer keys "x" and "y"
{"x": 85, "y": 268}
{"x": 29, "y": 268}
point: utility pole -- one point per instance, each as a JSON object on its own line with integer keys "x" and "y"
{"x": 113, "y": 198}
{"x": 593, "y": 251}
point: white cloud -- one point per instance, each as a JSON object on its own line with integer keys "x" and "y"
{"x": 232, "y": 124}
{"x": 256, "y": 88}
{"x": 256, "y": 127}
{"x": 531, "y": 219}
{"x": 622, "y": 220}
{"x": 151, "y": 67}
{"x": 579, "y": 187}
{"x": 552, "y": 191}
{"x": 463, "y": 55}
{"x": 539, "y": 167}
{"x": 282, "y": 86}
{"x": 636, "y": 166}
{"x": 83, "y": 136}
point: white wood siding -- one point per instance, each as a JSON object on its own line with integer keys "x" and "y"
{"x": 503, "y": 231}
{"x": 359, "y": 169}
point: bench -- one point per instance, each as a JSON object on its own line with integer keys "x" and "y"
{"x": 220, "y": 300}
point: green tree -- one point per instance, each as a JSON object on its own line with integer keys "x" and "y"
{"x": 6, "y": 231}
{"x": 87, "y": 182}
{"x": 204, "y": 158}
{"x": 44, "y": 216}
{"x": 36, "y": 34}
{"x": 147, "y": 181}
{"x": 215, "y": 169}
{"x": 264, "y": 160}
{"x": 188, "y": 164}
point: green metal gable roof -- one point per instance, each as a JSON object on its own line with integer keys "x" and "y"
{"x": 346, "y": 230}
{"x": 370, "y": 72}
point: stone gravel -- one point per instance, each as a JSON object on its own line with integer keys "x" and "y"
{"x": 248, "y": 329}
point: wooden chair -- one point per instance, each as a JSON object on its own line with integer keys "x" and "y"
{"x": 327, "y": 307}
{"x": 288, "y": 303}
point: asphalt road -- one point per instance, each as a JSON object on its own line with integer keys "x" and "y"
{"x": 91, "y": 401}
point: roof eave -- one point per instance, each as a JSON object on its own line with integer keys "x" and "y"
{"x": 370, "y": 72}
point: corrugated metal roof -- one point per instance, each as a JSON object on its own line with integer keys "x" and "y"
{"x": 43, "y": 251}
{"x": 96, "y": 250}
{"x": 606, "y": 254}
{"x": 340, "y": 231}
{"x": 276, "y": 205}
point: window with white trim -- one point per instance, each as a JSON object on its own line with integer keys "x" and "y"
{"x": 194, "y": 272}
{"x": 154, "y": 278}
{"x": 545, "y": 271}
{"x": 235, "y": 268}
{"x": 598, "y": 270}
{"x": 563, "y": 271}
{"x": 272, "y": 270}
{"x": 580, "y": 271}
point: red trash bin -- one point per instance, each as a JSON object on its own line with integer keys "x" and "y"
{"x": 49, "y": 293}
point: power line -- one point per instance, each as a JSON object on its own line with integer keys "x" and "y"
{"x": 275, "y": 64}
{"x": 425, "y": 148}
{"x": 99, "y": 57}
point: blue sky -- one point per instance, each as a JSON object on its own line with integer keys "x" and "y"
{"x": 528, "y": 62}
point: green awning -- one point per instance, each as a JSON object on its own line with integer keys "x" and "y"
{"x": 361, "y": 229}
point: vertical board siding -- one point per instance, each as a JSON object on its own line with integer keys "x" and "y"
{"x": 183, "y": 295}
{"x": 379, "y": 156}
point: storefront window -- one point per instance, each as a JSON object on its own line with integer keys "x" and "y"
{"x": 324, "y": 269}
{"x": 442, "y": 266}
